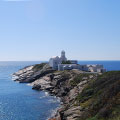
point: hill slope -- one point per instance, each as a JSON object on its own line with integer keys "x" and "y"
{"x": 101, "y": 98}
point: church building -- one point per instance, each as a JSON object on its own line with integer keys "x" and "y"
{"x": 55, "y": 61}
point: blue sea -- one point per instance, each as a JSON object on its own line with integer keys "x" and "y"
{"x": 20, "y": 102}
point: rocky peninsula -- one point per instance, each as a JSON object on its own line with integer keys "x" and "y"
{"x": 84, "y": 96}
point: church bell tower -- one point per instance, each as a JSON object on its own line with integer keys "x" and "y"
{"x": 63, "y": 58}
{"x": 63, "y": 53}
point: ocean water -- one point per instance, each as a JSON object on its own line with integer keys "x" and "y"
{"x": 20, "y": 102}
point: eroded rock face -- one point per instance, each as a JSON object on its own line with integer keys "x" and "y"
{"x": 44, "y": 83}
{"x": 57, "y": 83}
{"x": 28, "y": 74}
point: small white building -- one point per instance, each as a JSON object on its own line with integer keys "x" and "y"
{"x": 62, "y": 67}
{"x": 73, "y": 61}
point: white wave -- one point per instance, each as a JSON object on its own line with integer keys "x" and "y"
{"x": 14, "y": 77}
{"x": 46, "y": 93}
{"x": 53, "y": 113}
{"x": 42, "y": 97}
{"x": 29, "y": 84}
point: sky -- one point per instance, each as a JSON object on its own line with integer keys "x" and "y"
{"x": 33, "y": 30}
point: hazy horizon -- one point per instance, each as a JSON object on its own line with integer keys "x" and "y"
{"x": 48, "y": 60}
{"x": 35, "y": 30}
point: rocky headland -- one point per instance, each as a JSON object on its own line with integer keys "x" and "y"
{"x": 84, "y": 96}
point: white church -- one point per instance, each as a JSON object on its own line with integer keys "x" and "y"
{"x": 55, "y": 61}
{"x": 61, "y": 63}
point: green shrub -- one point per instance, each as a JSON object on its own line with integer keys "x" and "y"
{"x": 78, "y": 79}
{"x": 38, "y": 67}
{"x": 66, "y": 62}
{"x": 93, "y": 118}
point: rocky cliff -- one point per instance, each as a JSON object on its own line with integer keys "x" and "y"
{"x": 84, "y": 96}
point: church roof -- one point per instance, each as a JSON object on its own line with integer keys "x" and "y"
{"x": 54, "y": 57}
{"x": 63, "y": 51}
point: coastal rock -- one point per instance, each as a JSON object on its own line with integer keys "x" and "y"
{"x": 73, "y": 112}
{"x": 29, "y": 74}
{"x": 58, "y": 83}
{"x": 37, "y": 87}
{"x": 82, "y": 94}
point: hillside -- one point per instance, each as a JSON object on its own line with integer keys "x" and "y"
{"x": 101, "y": 98}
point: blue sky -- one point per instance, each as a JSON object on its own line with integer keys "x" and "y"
{"x": 39, "y": 29}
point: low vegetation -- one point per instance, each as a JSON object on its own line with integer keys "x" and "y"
{"x": 66, "y": 62}
{"x": 80, "y": 77}
{"x": 38, "y": 67}
{"x": 101, "y": 98}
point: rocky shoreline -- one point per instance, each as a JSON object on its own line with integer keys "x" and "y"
{"x": 63, "y": 84}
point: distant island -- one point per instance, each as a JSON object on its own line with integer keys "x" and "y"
{"x": 89, "y": 94}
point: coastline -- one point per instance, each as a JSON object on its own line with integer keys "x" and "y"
{"x": 56, "y": 83}
{"x": 77, "y": 90}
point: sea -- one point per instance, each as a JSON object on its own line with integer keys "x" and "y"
{"x": 20, "y": 102}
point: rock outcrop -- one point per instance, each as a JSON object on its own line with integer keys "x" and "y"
{"x": 58, "y": 83}
{"x": 68, "y": 85}
{"x": 30, "y": 74}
